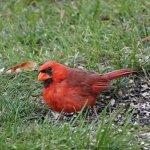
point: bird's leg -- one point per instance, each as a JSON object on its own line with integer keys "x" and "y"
{"x": 95, "y": 111}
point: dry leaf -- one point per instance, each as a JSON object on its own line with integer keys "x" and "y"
{"x": 28, "y": 66}
{"x": 146, "y": 38}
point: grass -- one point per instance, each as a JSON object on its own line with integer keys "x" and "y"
{"x": 99, "y": 35}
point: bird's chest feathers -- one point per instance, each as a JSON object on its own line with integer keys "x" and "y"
{"x": 53, "y": 91}
{"x": 54, "y": 94}
{"x": 60, "y": 97}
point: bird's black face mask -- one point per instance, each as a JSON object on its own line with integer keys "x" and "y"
{"x": 49, "y": 72}
{"x": 48, "y": 82}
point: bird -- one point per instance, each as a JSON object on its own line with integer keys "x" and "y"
{"x": 70, "y": 90}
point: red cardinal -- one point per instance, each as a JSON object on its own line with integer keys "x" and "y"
{"x": 68, "y": 90}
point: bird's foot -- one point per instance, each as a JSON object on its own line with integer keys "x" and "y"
{"x": 95, "y": 111}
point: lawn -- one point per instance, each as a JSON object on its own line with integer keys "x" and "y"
{"x": 96, "y": 35}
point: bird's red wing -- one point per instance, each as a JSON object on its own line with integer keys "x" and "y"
{"x": 89, "y": 83}
{"x": 97, "y": 83}
{"x": 99, "y": 87}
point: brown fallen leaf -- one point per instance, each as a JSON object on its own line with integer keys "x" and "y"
{"x": 28, "y": 66}
{"x": 146, "y": 38}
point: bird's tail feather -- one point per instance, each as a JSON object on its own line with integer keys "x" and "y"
{"x": 119, "y": 73}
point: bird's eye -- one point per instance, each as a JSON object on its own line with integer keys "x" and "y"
{"x": 49, "y": 70}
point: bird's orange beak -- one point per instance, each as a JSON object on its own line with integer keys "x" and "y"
{"x": 43, "y": 76}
